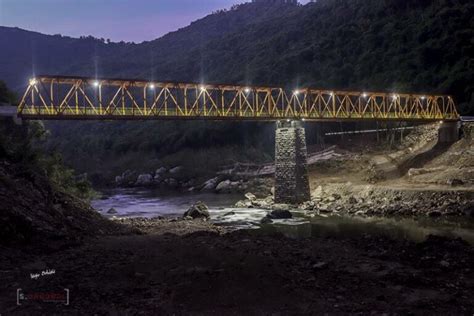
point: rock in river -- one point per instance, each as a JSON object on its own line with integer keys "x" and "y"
{"x": 281, "y": 207}
{"x": 250, "y": 196}
{"x": 160, "y": 171}
{"x": 144, "y": 179}
{"x": 227, "y": 186}
{"x": 176, "y": 170}
{"x": 198, "y": 210}
{"x": 280, "y": 214}
{"x": 112, "y": 211}
{"x": 210, "y": 184}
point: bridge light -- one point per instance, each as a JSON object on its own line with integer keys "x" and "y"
{"x": 394, "y": 97}
{"x": 296, "y": 92}
{"x": 423, "y": 97}
{"x": 202, "y": 88}
{"x": 151, "y": 86}
{"x": 364, "y": 95}
{"x": 247, "y": 90}
{"x": 33, "y": 81}
{"x": 303, "y": 119}
{"x": 96, "y": 83}
{"x": 332, "y": 94}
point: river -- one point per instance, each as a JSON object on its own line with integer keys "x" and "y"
{"x": 152, "y": 203}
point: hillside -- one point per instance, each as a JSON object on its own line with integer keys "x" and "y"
{"x": 393, "y": 45}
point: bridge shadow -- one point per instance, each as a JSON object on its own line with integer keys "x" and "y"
{"x": 419, "y": 160}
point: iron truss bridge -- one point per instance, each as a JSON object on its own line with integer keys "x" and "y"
{"x": 68, "y": 98}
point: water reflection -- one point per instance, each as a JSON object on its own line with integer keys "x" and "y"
{"x": 398, "y": 228}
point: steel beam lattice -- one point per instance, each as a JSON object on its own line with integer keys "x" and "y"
{"x": 59, "y": 97}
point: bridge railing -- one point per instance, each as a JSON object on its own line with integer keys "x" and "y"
{"x": 84, "y": 98}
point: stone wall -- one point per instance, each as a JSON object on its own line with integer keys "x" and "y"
{"x": 291, "y": 169}
{"x": 448, "y": 132}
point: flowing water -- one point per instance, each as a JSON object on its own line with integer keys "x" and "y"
{"x": 149, "y": 203}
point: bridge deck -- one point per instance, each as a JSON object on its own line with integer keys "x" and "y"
{"x": 69, "y": 98}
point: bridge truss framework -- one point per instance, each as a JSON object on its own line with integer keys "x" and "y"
{"x": 69, "y": 98}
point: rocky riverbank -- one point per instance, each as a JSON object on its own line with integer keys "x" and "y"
{"x": 370, "y": 200}
{"x": 177, "y": 179}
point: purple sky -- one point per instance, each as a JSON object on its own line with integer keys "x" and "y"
{"x": 128, "y": 20}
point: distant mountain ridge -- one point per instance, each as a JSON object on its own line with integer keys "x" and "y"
{"x": 419, "y": 46}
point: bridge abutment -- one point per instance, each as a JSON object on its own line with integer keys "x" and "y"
{"x": 291, "y": 168}
{"x": 448, "y": 132}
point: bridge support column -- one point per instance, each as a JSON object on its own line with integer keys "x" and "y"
{"x": 291, "y": 168}
{"x": 448, "y": 132}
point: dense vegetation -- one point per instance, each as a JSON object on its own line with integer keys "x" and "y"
{"x": 393, "y": 45}
{"x": 21, "y": 145}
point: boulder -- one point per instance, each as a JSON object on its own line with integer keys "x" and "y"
{"x": 280, "y": 214}
{"x": 227, "y": 186}
{"x": 144, "y": 179}
{"x": 250, "y": 196}
{"x": 224, "y": 186}
{"x": 231, "y": 213}
{"x": 261, "y": 204}
{"x": 210, "y": 184}
{"x": 324, "y": 209}
{"x": 266, "y": 220}
{"x": 176, "y": 170}
{"x": 281, "y": 207}
{"x": 244, "y": 204}
{"x": 171, "y": 182}
{"x": 112, "y": 211}
{"x": 157, "y": 179}
{"x": 188, "y": 184}
{"x": 352, "y": 200}
{"x": 198, "y": 210}
{"x": 160, "y": 171}
{"x": 126, "y": 178}
{"x": 318, "y": 192}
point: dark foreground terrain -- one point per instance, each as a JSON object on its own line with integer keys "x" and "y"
{"x": 193, "y": 267}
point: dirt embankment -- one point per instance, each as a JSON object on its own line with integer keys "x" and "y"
{"x": 32, "y": 210}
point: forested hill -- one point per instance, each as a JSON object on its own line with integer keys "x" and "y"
{"x": 394, "y": 45}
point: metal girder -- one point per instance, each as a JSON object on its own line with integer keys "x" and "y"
{"x": 69, "y": 98}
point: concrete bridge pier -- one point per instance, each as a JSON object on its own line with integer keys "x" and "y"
{"x": 291, "y": 168}
{"x": 448, "y": 132}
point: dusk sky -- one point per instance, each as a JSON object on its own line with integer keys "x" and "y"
{"x": 128, "y": 20}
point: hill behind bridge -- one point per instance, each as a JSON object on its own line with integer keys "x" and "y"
{"x": 421, "y": 46}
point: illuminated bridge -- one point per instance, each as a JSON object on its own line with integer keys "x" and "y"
{"x": 53, "y": 97}
{"x": 70, "y": 98}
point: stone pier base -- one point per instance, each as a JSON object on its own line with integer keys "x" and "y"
{"x": 448, "y": 132}
{"x": 291, "y": 168}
